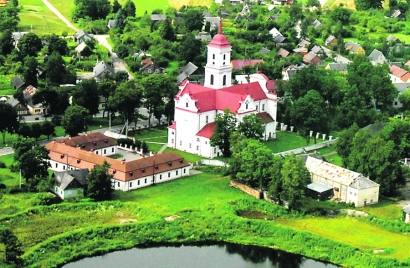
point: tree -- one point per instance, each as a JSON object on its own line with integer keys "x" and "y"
{"x": 308, "y": 115}
{"x": 295, "y": 178}
{"x": 193, "y": 19}
{"x": 376, "y": 158}
{"x": 368, "y": 4}
{"x": 30, "y": 70}
{"x": 6, "y": 42}
{"x": 47, "y": 128}
{"x": 166, "y": 31}
{"x": 13, "y": 247}
{"x": 56, "y": 72}
{"x": 404, "y": 98}
{"x": 86, "y": 95}
{"x": 55, "y": 99}
{"x": 225, "y": 125}
{"x": 373, "y": 83}
{"x": 129, "y": 8}
{"x": 22, "y": 145}
{"x": 398, "y": 131}
{"x": 190, "y": 48}
{"x": 56, "y": 44}
{"x": 341, "y": 15}
{"x": 99, "y": 183}
{"x": 251, "y": 127}
{"x": 127, "y": 99}
{"x": 94, "y": 9}
{"x": 29, "y": 45}
{"x": 116, "y": 6}
{"x": 344, "y": 142}
{"x": 251, "y": 162}
{"x": 34, "y": 166}
{"x": 276, "y": 180}
{"x": 75, "y": 120}
{"x": 8, "y": 122}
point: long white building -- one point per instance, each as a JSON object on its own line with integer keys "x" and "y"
{"x": 196, "y": 106}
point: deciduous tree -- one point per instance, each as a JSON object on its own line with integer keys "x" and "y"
{"x": 225, "y": 126}
{"x": 251, "y": 127}
{"x": 8, "y": 121}
{"x": 75, "y": 120}
{"x": 99, "y": 183}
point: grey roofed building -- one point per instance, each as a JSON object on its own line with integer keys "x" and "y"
{"x": 276, "y": 35}
{"x": 16, "y": 36}
{"x": 377, "y": 57}
{"x": 112, "y": 24}
{"x": 158, "y": 17}
{"x": 337, "y": 66}
{"x": 102, "y": 69}
{"x": 341, "y": 59}
{"x": 70, "y": 183}
{"x": 80, "y": 48}
{"x": 186, "y": 71}
{"x": 319, "y": 187}
{"x": 396, "y": 13}
{"x": 82, "y": 36}
{"x": 316, "y": 50}
{"x": 316, "y": 24}
{"x": 264, "y": 50}
{"x": 17, "y": 82}
{"x": 203, "y": 36}
{"x": 362, "y": 182}
{"x": 304, "y": 43}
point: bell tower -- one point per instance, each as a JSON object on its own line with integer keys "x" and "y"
{"x": 218, "y": 70}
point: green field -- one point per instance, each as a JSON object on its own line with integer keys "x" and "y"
{"x": 36, "y": 17}
{"x": 357, "y": 233}
{"x": 385, "y": 210}
{"x": 5, "y": 85}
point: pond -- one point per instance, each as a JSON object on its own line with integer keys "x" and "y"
{"x": 199, "y": 256}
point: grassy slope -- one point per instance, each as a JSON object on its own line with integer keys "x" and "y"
{"x": 355, "y": 232}
{"x": 34, "y": 15}
{"x": 286, "y": 141}
{"x": 5, "y": 87}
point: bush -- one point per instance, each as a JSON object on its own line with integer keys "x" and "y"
{"x": 2, "y": 165}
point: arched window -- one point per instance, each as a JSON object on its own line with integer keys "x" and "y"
{"x": 212, "y": 79}
{"x": 213, "y": 56}
{"x": 224, "y": 56}
{"x": 224, "y": 80}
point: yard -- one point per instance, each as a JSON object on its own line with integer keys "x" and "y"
{"x": 36, "y": 17}
{"x": 287, "y": 141}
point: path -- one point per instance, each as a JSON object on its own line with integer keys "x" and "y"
{"x": 119, "y": 64}
{"x": 59, "y": 15}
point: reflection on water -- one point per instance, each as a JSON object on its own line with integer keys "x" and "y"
{"x": 205, "y": 256}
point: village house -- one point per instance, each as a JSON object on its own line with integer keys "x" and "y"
{"x": 291, "y": 70}
{"x": 186, "y": 71}
{"x": 203, "y": 36}
{"x": 337, "y": 67}
{"x": 17, "y": 82}
{"x": 276, "y": 35}
{"x": 82, "y": 50}
{"x": 355, "y": 48}
{"x": 102, "y": 70}
{"x": 82, "y": 36}
{"x": 112, "y": 24}
{"x": 33, "y": 108}
{"x": 127, "y": 175}
{"x": 406, "y": 214}
{"x": 196, "y": 105}
{"x": 95, "y": 142}
{"x": 348, "y": 186}
{"x": 311, "y": 58}
{"x": 377, "y": 57}
{"x": 69, "y": 184}
{"x": 331, "y": 41}
{"x": 283, "y": 53}
{"x": 399, "y": 75}
{"x": 20, "y": 108}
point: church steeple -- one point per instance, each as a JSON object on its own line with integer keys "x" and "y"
{"x": 218, "y": 70}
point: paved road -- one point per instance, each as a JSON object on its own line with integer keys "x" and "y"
{"x": 119, "y": 64}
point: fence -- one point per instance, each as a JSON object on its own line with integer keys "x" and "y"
{"x": 246, "y": 189}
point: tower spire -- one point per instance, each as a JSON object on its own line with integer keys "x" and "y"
{"x": 220, "y": 27}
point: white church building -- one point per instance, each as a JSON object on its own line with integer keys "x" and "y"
{"x": 196, "y": 106}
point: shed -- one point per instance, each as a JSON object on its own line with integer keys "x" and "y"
{"x": 320, "y": 191}
{"x": 70, "y": 183}
{"x": 186, "y": 71}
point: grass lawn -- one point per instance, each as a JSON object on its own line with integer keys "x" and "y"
{"x": 36, "y": 17}
{"x": 286, "y": 141}
{"x": 357, "y": 233}
{"x": 187, "y": 156}
{"x": 6, "y": 176}
{"x": 330, "y": 154}
{"x": 5, "y": 87}
{"x": 385, "y": 210}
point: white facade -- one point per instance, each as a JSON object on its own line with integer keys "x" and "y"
{"x": 193, "y": 121}
{"x": 150, "y": 180}
{"x": 68, "y": 193}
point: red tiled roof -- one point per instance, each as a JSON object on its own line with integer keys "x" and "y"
{"x": 207, "y": 131}
{"x": 90, "y": 142}
{"x": 208, "y": 99}
{"x": 400, "y": 73}
{"x": 121, "y": 170}
{"x": 240, "y": 64}
{"x": 173, "y": 125}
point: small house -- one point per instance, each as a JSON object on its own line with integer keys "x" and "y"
{"x": 20, "y": 108}
{"x": 102, "y": 70}
{"x": 316, "y": 24}
{"x": 341, "y": 59}
{"x": 17, "y": 82}
{"x": 82, "y": 36}
{"x": 406, "y": 214}
{"x": 377, "y": 57}
{"x": 355, "y": 48}
{"x": 186, "y": 71}
{"x": 203, "y": 37}
{"x": 399, "y": 75}
{"x": 331, "y": 41}
{"x": 337, "y": 67}
{"x": 70, "y": 184}
{"x": 158, "y": 17}
{"x": 33, "y": 108}
{"x": 112, "y": 24}
{"x": 283, "y": 53}
{"x": 83, "y": 50}
{"x": 311, "y": 58}
{"x": 276, "y": 35}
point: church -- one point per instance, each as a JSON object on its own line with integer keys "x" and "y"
{"x": 196, "y": 105}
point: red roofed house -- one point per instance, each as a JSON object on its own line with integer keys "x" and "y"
{"x": 196, "y": 106}
{"x": 399, "y": 75}
{"x": 127, "y": 175}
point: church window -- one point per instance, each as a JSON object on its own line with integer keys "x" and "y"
{"x": 246, "y": 106}
{"x": 263, "y": 107}
{"x": 212, "y": 79}
{"x": 224, "y": 56}
{"x": 224, "y": 80}
{"x": 213, "y": 56}
{"x": 206, "y": 119}
{"x": 186, "y": 104}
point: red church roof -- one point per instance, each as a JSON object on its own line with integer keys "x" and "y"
{"x": 207, "y": 131}
{"x": 220, "y": 39}
{"x": 208, "y": 99}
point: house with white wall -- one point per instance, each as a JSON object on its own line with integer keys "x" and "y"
{"x": 196, "y": 105}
